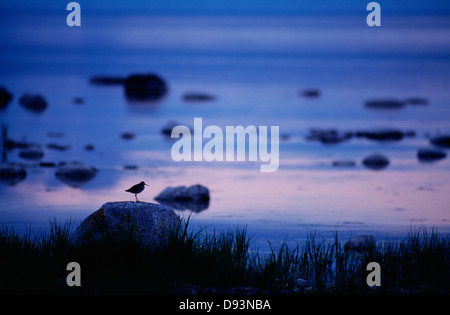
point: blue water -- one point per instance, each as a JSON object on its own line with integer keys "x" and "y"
{"x": 255, "y": 65}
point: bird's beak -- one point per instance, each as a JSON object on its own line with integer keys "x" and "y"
{"x": 146, "y": 185}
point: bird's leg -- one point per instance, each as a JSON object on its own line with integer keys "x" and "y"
{"x": 137, "y": 200}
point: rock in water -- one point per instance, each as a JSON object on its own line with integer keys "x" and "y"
{"x": 310, "y": 93}
{"x": 195, "y": 198}
{"x": 5, "y": 97}
{"x": 430, "y": 155}
{"x": 11, "y": 174}
{"x": 198, "y": 97}
{"x": 35, "y": 103}
{"x": 344, "y": 163}
{"x": 75, "y": 174}
{"x": 385, "y": 104}
{"x": 144, "y": 87}
{"x": 106, "y": 80}
{"x": 149, "y": 223}
{"x": 382, "y": 134}
{"x": 360, "y": 243}
{"x": 441, "y": 141}
{"x": 376, "y": 162}
{"x": 31, "y": 154}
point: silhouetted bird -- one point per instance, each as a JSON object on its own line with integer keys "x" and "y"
{"x": 136, "y": 189}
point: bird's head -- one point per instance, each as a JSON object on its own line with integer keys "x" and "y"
{"x": 143, "y": 183}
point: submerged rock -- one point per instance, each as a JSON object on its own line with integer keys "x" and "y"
{"x": 5, "y": 97}
{"x": 198, "y": 97}
{"x": 148, "y": 223}
{"x": 416, "y": 101}
{"x": 34, "y": 103}
{"x": 360, "y": 243}
{"x": 195, "y": 198}
{"x": 12, "y": 174}
{"x": 75, "y": 174}
{"x": 376, "y": 162}
{"x": 144, "y": 87}
{"x": 385, "y": 104}
{"x": 344, "y": 163}
{"x": 78, "y": 100}
{"x": 430, "y": 155}
{"x": 58, "y": 147}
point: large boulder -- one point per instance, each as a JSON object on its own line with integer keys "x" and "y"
{"x": 144, "y": 87}
{"x": 195, "y": 198}
{"x": 148, "y": 223}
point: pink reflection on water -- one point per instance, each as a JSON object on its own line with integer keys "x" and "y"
{"x": 282, "y": 200}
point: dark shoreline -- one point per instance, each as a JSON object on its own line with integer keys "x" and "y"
{"x": 221, "y": 264}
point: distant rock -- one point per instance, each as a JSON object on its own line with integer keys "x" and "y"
{"x": 198, "y": 97}
{"x": 328, "y": 136}
{"x": 58, "y": 147}
{"x": 106, "y": 80}
{"x": 416, "y": 101}
{"x": 47, "y": 164}
{"x": 130, "y": 167}
{"x": 31, "y": 154}
{"x": 382, "y": 134}
{"x": 78, "y": 100}
{"x": 5, "y": 97}
{"x": 148, "y": 223}
{"x": 35, "y": 103}
{"x": 75, "y": 174}
{"x": 385, "y": 104}
{"x": 430, "y": 155}
{"x": 144, "y": 87}
{"x": 195, "y": 198}
{"x": 360, "y": 243}
{"x": 89, "y": 147}
{"x": 344, "y": 163}
{"x": 12, "y": 174}
{"x": 376, "y": 162}
{"x": 168, "y": 127}
{"x": 13, "y": 144}
{"x": 310, "y": 93}
{"x": 128, "y": 135}
{"x": 441, "y": 141}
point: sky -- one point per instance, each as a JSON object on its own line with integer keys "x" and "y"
{"x": 236, "y": 6}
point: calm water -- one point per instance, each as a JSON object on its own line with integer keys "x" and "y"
{"x": 255, "y": 66}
